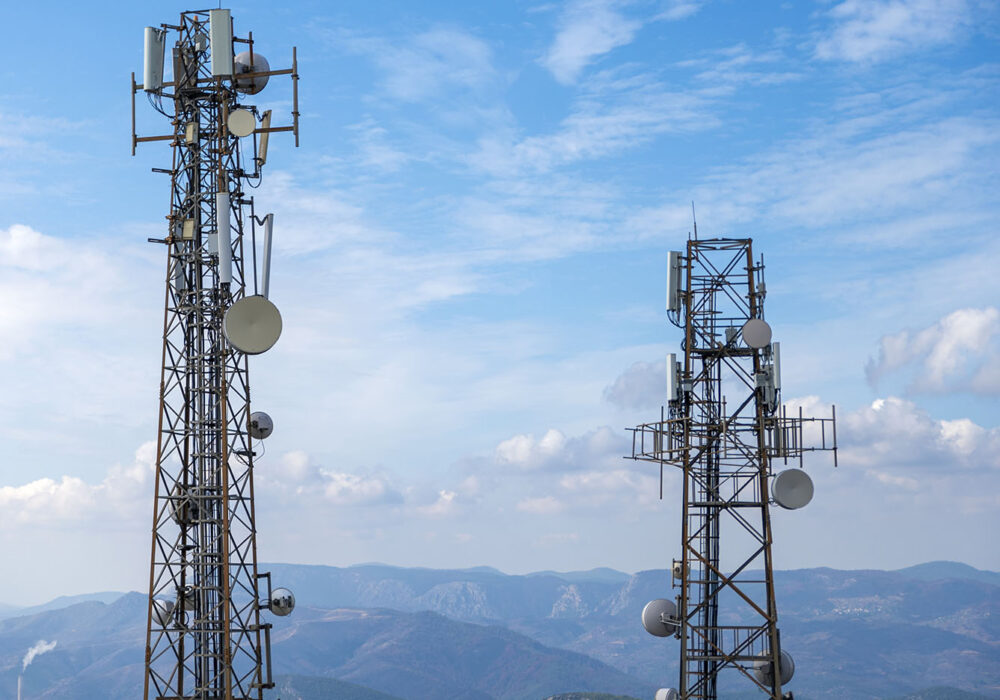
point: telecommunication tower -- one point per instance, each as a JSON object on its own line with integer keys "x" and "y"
{"x": 725, "y": 428}
{"x": 205, "y": 638}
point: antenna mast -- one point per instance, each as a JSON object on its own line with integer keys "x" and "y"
{"x": 724, "y": 612}
{"x": 205, "y": 638}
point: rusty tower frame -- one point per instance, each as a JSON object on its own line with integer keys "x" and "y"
{"x": 205, "y": 636}
{"x": 725, "y": 450}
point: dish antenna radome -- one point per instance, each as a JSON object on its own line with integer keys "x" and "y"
{"x": 250, "y": 86}
{"x": 666, "y": 694}
{"x": 282, "y": 602}
{"x": 252, "y": 325}
{"x": 792, "y": 489}
{"x": 261, "y": 425}
{"x": 756, "y": 333}
{"x": 162, "y": 611}
{"x": 764, "y": 670}
{"x": 241, "y": 122}
{"x": 659, "y": 617}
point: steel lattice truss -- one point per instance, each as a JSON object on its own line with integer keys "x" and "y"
{"x": 722, "y": 432}
{"x": 212, "y": 643}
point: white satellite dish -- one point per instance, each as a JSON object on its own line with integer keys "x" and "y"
{"x": 666, "y": 694}
{"x": 183, "y": 508}
{"x": 792, "y": 489}
{"x": 282, "y": 601}
{"x": 261, "y": 425}
{"x": 162, "y": 610}
{"x": 659, "y": 617}
{"x": 764, "y": 670}
{"x": 756, "y": 333}
{"x": 250, "y": 86}
{"x": 252, "y": 325}
{"x": 241, "y": 122}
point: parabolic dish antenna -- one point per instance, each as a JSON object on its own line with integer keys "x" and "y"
{"x": 162, "y": 610}
{"x": 241, "y": 64}
{"x": 241, "y": 122}
{"x": 792, "y": 489}
{"x": 666, "y": 694}
{"x": 764, "y": 670}
{"x": 756, "y": 333}
{"x": 261, "y": 425}
{"x": 655, "y": 616}
{"x": 282, "y": 601}
{"x": 252, "y": 325}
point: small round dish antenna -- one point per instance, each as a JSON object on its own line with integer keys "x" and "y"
{"x": 792, "y": 489}
{"x": 183, "y": 508}
{"x": 666, "y": 694}
{"x": 282, "y": 601}
{"x": 764, "y": 670}
{"x": 162, "y": 610}
{"x": 659, "y": 617}
{"x": 252, "y": 325}
{"x": 756, "y": 333}
{"x": 261, "y": 425}
{"x": 241, "y": 122}
{"x": 241, "y": 65}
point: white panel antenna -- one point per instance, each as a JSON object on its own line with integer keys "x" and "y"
{"x": 265, "y": 278}
{"x": 672, "y": 377}
{"x": 220, "y": 29}
{"x": 673, "y": 281}
{"x": 152, "y": 60}
{"x": 224, "y": 240}
{"x": 265, "y": 124}
{"x": 776, "y": 364}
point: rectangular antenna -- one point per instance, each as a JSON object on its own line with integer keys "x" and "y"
{"x": 152, "y": 61}
{"x": 776, "y": 364}
{"x": 220, "y": 30}
{"x": 224, "y": 240}
{"x": 265, "y": 286}
{"x": 265, "y": 124}
{"x": 672, "y": 377}
{"x": 673, "y": 281}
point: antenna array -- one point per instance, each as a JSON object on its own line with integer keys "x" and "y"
{"x": 725, "y": 616}
{"x": 205, "y": 636}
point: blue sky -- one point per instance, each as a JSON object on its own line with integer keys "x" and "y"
{"x": 470, "y": 257}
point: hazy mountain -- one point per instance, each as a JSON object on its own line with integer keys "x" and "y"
{"x": 856, "y": 634}
{"x": 57, "y": 603}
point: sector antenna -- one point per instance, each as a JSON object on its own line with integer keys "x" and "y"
{"x": 208, "y": 632}
{"x": 725, "y": 429}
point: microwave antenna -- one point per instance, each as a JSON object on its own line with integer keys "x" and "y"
{"x": 725, "y": 428}
{"x": 207, "y": 637}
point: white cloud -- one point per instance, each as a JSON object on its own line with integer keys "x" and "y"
{"x": 873, "y": 30}
{"x": 123, "y": 494}
{"x": 642, "y": 385}
{"x": 557, "y": 453}
{"x": 588, "y": 29}
{"x": 956, "y": 353}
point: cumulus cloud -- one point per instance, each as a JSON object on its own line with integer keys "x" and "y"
{"x": 956, "y": 353}
{"x": 642, "y": 385}
{"x": 124, "y": 493}
{"x": 546, "y": 505}
{"x": 873, "y": 30}
{"x": 296, "y": 474}
{"x": 555, "y": 452}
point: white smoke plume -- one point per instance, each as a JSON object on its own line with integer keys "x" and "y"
{"x": 36, "y": 650}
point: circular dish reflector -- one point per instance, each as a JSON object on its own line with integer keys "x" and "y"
{"x": 282, "y": 601}
{"x": 241, "y": 65}
{"x": 241, "y": 122}
{"x": 756, "y": 333}
{"x": 162, "y": 610}
{"x": 792, "y": 489}
{"x": 764, "y": 670}
{"x": 252, "y": 325}
{"x": 261, "y": 425}
{"x": 654, "y": 614}
{"x": 666, "y": 694}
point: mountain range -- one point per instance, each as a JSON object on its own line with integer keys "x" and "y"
{"x": 376, "y": 632}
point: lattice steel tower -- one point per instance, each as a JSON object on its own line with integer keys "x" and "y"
{"x": 724, "y": 427}
{"x": 206, "y": 639}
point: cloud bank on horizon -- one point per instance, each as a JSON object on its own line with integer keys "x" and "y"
{"x": 470, "y": 263}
